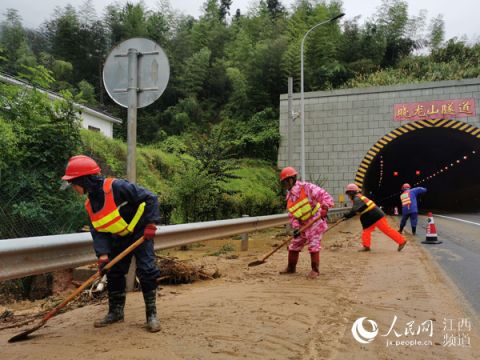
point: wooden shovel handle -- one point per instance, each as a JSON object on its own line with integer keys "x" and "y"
{"x": 91, "y": 279}
{"x": 302, "y": 229}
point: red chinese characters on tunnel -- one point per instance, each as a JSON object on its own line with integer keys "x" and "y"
{"x": 438, "y": 109}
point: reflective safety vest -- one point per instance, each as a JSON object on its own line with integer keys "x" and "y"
{"x": 370, "y": 204}
{"x": 405, "y": 197}
{"x": 302, "y": 209}
{"x": 108, "y": 219}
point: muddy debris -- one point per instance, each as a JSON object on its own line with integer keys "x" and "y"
{"x": 174, "y": 271}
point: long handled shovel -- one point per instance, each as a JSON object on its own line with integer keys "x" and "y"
{"x": 262, "y": 260}
{"x": 54, "y": 311}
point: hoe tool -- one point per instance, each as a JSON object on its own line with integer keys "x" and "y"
{"x": 302, "y": 229}
{"x": 54, "y": 311}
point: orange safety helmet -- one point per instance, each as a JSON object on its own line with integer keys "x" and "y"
{"x": 352, "y": 187}
{"x": 406, "y": 186}
{"x": 287, "y": 172}
{"x": 80, "y": 165}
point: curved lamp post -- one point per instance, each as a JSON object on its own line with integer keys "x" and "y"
{"x": 302, "y": 103}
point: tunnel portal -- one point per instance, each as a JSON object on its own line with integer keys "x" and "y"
{"x": 444, "y": 160}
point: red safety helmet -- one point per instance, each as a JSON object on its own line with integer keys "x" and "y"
{"x": 287, "y": 172}
{"x": 406, "y": 186}
{"x": 352, "y": 187}
{"x": 80, "y": 165}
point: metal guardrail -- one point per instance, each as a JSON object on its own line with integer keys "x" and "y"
{"x": 36, "y": 255}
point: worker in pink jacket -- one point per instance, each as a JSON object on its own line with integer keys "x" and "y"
{"x": 306, "y": 202}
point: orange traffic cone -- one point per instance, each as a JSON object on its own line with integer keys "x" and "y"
{"x": 431, "y": 235}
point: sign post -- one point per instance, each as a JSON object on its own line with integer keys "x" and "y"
{"x": 135, "y": 74}
{"x": 132, "y": 115}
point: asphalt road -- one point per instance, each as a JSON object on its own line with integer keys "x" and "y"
{"x": 459, "y": 253}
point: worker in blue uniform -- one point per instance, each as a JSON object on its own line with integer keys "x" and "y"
{"x": 120, "y": 213}
{"x": 409, "y": 206}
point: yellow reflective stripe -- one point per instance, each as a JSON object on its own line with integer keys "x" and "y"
{"x": 106, "y": 219}
{"x": 405, "y": 198}
{"x": 370, "y": 205}
{"x": 118, "y": 226}
{"x": 298, "y": 205}
{"x": 124, "y": 232}
{"x": 306, "y": 209}
{"x": 305, "y": 217}
{"x": 297, "y": 213}
{"x": 136, "y": 218}
{"x": 309, "y": 213}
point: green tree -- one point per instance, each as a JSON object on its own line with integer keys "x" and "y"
{"x": 79, "y": 41}
{"x": 437, "y": 32}
{"x": 394, "y": 25}
{"x": 30, "y": 201}
{"x": 86, "y": 94}
{"x": 195, "y": 193}
{"x": 13, "y": 41}
{"x": 195, "y": 72}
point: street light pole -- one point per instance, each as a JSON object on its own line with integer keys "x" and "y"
{"x": 302, "y": 100}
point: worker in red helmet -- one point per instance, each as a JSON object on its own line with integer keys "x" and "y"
{"x": 306, "y": 202}
{"x": 410, "y": 206}
{"x": 120, "y": 213}
{"x": 371, "y": 217}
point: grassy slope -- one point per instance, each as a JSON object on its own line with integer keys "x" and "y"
{"x": 254, "y": 193}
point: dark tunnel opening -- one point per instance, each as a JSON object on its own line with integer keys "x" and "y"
{"x": 443, "y": 160}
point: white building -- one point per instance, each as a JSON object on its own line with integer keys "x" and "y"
{"x": 92, "y": 119}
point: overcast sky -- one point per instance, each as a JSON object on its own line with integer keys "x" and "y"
{"x": 460, "y": 16}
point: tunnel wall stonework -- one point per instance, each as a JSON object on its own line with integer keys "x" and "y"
{"x": 341, "y": 126}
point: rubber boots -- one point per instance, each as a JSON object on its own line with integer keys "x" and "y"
{"x": 116, "y": 304}
{"x": 292, "y": 262}
{"x": 150, "y": 298}
{"x": 315, "y": 260}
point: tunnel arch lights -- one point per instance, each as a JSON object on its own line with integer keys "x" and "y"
{"x": 380, "y": 178}
{"x": 412, "y": 126}
{"x": 446, "y": 168}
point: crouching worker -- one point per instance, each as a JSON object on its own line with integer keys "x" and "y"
{"x": 306, "y": 202}
{"x": 120, "y": 213}
{"x": 371, "y": 217}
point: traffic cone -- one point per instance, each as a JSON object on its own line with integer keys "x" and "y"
{"x": 431, "y": 235}
{"x": 395, "y": 210}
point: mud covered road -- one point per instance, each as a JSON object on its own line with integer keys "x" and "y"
{"x": 254, "y": 313}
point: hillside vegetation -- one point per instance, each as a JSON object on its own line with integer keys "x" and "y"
{"x": 187, "y": 191}
{"x": 208, "y": 146}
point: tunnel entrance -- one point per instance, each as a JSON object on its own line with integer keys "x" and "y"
{"x": 445, "y": 160}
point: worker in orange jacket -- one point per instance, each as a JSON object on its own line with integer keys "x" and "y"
{"x": 371, "y": 217}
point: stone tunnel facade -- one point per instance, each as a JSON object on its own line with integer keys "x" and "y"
{"x": 346, "y": 129}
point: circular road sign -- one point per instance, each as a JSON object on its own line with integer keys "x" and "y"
{"x": 153, "y": 72}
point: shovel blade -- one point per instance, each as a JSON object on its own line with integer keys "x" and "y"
{"x": 257, "y": 262}
{"x": 24, "y": 335}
